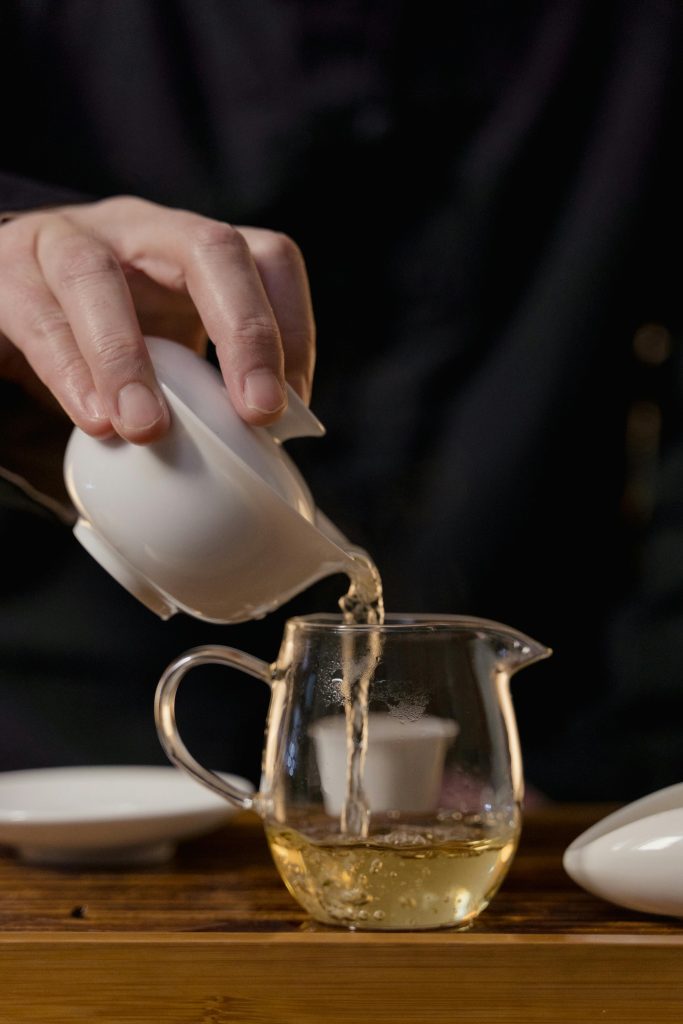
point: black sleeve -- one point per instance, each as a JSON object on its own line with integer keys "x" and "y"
{"x": 19, "y": 193}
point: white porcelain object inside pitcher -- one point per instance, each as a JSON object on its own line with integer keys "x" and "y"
{"x": 634, "y": 857}
{"x": 214, "y": 519}
{"x": 404, "y": 761}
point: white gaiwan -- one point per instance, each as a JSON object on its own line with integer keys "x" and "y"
{"x": 214, "y": 519}
{"x": 634, "y": 857}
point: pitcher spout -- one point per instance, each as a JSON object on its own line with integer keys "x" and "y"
{"x": 522, "y": 650}
{"x": 512, "y": 650}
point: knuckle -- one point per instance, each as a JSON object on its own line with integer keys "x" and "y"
{"x": 62, "y": 365}
{"x": 282, "y": 249}
{"x": 117, "y": 354}
{"x": 209, "y": 235}
{"x": 256, "y": 333}
{"x": 275, "y": 248}
{"x": 124, "y": 202}
{"x": 47, "y": 325}
{"x": 68, "y": 367}
{"x": 81, "y": 260}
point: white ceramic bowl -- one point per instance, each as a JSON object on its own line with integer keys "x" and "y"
{"x": 105, "y": 814}
{"x": 214, "y": 519}
{"x": 634, "y": 857}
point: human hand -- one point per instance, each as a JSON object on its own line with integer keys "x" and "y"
{"x": 79, "y": 285}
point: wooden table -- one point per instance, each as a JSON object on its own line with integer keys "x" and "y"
{"x": 214, "y": 938}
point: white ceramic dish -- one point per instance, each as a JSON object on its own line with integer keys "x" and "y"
{"x": 105, "y": 814}
{"x": 634, "y": 857}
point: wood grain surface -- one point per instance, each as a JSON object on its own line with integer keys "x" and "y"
{"x": 213, "y": 937}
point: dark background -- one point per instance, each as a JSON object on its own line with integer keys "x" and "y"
{"x": 487, "y": 203}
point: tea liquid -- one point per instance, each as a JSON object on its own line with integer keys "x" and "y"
{"x": 405, "y": 878}
{"x": 363, "y": 604}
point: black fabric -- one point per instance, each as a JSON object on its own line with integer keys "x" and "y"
{"x": 486, "y": 196}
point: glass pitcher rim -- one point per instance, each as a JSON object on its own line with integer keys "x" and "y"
{"x": 516, "y": 647}
{"x": 426, "y": 622}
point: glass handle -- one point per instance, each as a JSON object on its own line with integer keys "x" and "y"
{"x": 164, "y": 714}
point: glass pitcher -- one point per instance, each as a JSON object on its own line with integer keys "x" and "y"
{"x": 391, "y": 776}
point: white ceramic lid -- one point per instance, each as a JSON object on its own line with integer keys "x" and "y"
{"x": 199, "y": 386}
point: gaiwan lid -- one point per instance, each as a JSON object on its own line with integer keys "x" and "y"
{"x": 199, "y": 386}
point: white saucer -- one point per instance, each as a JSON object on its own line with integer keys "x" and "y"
{"x": 105, "y": 814}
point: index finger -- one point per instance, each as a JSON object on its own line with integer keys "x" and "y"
{"x": 213, "y": 262}
{"x": 89, "y": 285}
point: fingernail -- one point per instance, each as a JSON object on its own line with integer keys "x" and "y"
{"x": 138, "y": 406}
{"x": 94, "y": 406}
{"x": 263, "y": 392}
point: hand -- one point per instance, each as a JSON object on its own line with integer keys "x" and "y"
{"x": 79, "y": 285}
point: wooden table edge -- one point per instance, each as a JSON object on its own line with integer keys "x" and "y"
{"x": 185, "y": 978}
{"x": 347, "y": 940}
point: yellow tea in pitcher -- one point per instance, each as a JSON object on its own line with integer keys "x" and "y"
{"x": 408, "y": 877}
